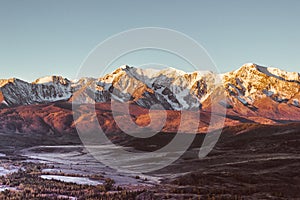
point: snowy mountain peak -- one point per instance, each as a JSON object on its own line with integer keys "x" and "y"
{"x": 252, "y": 82}
{"x": 248, "y": 66}
{"x": 124, "y": 67}
{"x": 251, "y": 68}
{"x": 14, "y": 92}
{"x": 4, "y": 82}
{"x": 52, "y": 79}
{"x": 289, "y": 76}
{"x": 173, "y": 88}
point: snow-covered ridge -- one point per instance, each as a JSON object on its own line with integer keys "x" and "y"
{"x": 251, "y": 82}
{"x": 16, "y": 92}
{"x": 6, "y": 81}
{"x": 172, "y": 88}
{"x": 291, "y": 76}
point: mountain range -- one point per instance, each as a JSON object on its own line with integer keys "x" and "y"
{"x": 250, "y": 94}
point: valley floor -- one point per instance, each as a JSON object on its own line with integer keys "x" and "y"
{"x": 261, "y": 163}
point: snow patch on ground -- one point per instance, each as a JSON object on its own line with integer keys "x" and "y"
{"x": 7, "y": 170}
{"x": 4, "y": 187}
{"x": 72, "y": 179}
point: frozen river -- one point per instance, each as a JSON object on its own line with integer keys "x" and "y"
{"x": 76, "y": 160}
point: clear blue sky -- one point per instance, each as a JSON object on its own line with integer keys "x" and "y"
{"x": 39, "y": 38}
